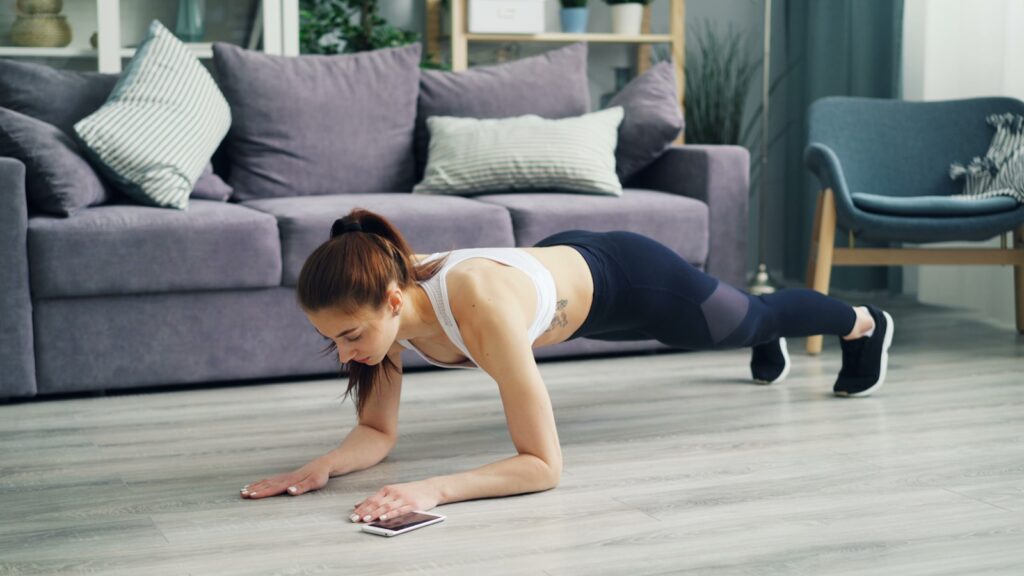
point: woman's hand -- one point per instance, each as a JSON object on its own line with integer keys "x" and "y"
{"x": 395, "y": 500}
{"x": 312, "y": 476}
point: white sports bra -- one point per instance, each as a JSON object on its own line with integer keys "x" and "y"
{"x": 437, "y": 292}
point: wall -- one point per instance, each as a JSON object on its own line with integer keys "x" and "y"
{"x": 962, "y": 49}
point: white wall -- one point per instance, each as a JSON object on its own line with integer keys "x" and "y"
{"x": 963, "y": 49}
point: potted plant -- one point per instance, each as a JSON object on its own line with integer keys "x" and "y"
{"x": 574, "y": 16}
{"x": 627, "y": 16}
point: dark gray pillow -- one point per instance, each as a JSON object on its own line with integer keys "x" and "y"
{"x": 210, "y": 186}
{"x": 551, "y": 85}
{"x": 63, "y": 97}
{"x": 652, "y": 122}
{"x": 58, "y": 180}
{"x": 58, "y": 97}
{"x": 317, "y": 124}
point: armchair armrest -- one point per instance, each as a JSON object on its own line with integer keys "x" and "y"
{"x": 823, "y": 162}
{"x": 17, "y": 355}
{"x": 719, "y": 176}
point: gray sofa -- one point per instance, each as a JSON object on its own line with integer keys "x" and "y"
{"x": 123, "y": 295}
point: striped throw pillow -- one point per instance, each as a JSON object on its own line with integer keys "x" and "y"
{"x": 160, "y": 125}
{"x": 525, "y": 153}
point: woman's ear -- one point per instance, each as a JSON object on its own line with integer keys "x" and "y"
{"x": 395, "y": 301}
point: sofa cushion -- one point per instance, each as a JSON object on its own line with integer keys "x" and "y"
{"x": 550, "y": 85}
{"x": 429, "y": 223}
{"x": 951, "y": 206}
{"x": 316, "y": 124}
{"x": 130, "y": 249}
{"x": 57, "y": 97}
{"x": 678, "y": 222}
{"x": 652, "y": 120}
{"x": 58, "y": 180}
{"x": 469, "y": 156}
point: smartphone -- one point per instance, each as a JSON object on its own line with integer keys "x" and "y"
{"x": 402, "y": 524}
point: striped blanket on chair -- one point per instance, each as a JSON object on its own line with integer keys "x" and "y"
{"x": 1001, "y": 171}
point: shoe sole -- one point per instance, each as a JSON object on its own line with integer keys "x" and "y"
{"x": 785, "y": 369}
{"x": 891, "y": 327}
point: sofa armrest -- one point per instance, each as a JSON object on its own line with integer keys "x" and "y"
{"x": 17, "y": 356}
{"x": 719, "y": 176}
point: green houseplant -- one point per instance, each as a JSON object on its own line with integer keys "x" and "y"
{"x": 718, "y": 77}
{"x": 346, "y": 26}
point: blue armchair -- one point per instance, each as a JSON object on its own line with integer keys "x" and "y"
{"x": 884, "y": 172}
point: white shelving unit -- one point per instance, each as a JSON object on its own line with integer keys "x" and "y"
{"x": 280, "y": 32}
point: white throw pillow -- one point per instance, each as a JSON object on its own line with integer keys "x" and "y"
{"x": 161, "y": 124}
{"x": 525, "y": 153}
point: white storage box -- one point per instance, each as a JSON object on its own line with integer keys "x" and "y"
{"x": 506, "y": 16}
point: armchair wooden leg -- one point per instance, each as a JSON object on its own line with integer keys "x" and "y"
{"x": 812, "y": 254}
{"x": 1018, "y": 278}
{"x": 823, "y": 243}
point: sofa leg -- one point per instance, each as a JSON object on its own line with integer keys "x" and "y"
{"x": 823, "y": 244}
{"x": 1018, "y": 278}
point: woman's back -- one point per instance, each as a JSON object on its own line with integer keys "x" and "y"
{"x": 553, "y": 281}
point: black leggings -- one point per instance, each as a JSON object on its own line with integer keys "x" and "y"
{"x": 643, "y": 290}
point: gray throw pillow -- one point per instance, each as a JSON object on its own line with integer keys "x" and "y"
{"x": 210, "y": 186}
{"x": 58, "y": 180}
{"x": 63, "y": 97}
{"x": 58, "y": 97}
{"x": 316, "y": 124}
{"x": 652, "y": 122}
{"x": 550, "y": 85}
{"x": 160, "y": 126}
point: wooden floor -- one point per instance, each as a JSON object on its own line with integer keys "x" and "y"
{"x": 674, "y": 464}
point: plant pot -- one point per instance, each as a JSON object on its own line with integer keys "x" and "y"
{"x": 574, "y": 20}
{"x": 627, "y": 18}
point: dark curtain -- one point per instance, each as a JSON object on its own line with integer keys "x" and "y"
{"x": 822, "y": 48}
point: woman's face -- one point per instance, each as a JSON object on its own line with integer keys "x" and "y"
{"x": 365, "y": 337}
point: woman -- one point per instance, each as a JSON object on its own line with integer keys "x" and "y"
{"x": 367, "y": 293}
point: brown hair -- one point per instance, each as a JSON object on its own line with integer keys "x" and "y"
{"x": 352, "y": 271}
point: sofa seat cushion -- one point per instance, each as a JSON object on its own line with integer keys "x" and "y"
{"x": 678, "y": 222}
{"x": 955, "y": 206}
{"x": 429, "y": 223}
{"x": 130, "y": 249}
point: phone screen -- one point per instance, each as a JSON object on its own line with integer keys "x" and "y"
{"x": 404, "y": 521}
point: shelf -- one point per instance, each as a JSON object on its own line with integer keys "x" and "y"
{"x": 200, "y": 49}
{"x": 29, "y": 52}
{"x": 563, "y": 37}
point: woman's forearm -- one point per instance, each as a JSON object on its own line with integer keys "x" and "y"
{"x": 362, "y": 448}
{"x": 516, "y": 475}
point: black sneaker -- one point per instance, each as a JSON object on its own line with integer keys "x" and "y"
{"x": 865, "y": 359}
{"x": 769, "y": 363}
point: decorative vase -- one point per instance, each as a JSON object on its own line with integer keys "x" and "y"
{"x": 40, "y": 6}
{"x": 41, "y": 31}
{"x": 627, "y": 18}
{"x": 574, "y": 20}
{"x": 191, "y": 20}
